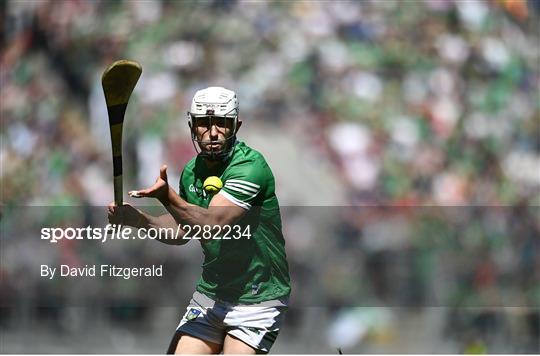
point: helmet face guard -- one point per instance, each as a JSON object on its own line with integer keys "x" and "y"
{"x": 212, "y": 104}
{"x": 227, "y": 144}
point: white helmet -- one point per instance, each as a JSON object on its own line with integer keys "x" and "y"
{"x": 214, "y": 102}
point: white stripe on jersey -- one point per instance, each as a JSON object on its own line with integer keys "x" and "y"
{"x": 239, "y": 181}
{"x": 235, "y": 201}
{"x": 240, "y": 190}
{"x": 245, "y": 187}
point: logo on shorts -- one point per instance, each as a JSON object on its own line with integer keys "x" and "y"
{"x": 255, "y": 288}
{"x": 254, "y": 330}
{"x": 193, "y": 314}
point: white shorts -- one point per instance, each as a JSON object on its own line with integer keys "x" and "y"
{"x": 255, "y": 324}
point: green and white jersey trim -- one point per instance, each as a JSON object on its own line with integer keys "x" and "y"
{"x": 244, "y": 187}
{"x": 246, "y": 184}
{"x": 232, "y": 199}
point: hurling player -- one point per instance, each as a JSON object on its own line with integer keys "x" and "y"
{"x": 242, "y": 294}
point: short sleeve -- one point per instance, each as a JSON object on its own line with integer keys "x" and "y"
{"x": 245, "y": 184}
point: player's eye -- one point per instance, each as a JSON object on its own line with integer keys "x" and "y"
{"x": 219, "y": 121}
{"x": 202, "y": 122}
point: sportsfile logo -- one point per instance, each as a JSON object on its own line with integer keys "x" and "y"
{"x": 110, "y": 231}
{"x": 120, "y": 232}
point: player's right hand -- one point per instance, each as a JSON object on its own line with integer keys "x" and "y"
{"x": 159, "y": 190}
{"x": 125, "y": 215}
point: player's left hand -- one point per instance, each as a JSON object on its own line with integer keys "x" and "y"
{"x": 159, "y": 190}
{"x": 125, "y": 214}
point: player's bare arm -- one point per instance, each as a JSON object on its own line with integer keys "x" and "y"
{"x": 127, "y": 215}
{"x": 220, "y": 211}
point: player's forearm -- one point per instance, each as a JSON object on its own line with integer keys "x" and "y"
{"x": 188, "y": 214}
{"x": 169, "y": 232}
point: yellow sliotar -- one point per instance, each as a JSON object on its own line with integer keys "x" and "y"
{"x": 212, "y": 185}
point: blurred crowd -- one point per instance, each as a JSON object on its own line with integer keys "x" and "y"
{"x": 430, "y": 103}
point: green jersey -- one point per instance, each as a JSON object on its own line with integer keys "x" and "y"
{"x": 244, "y": 269}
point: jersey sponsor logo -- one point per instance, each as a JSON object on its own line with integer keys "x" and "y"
{"x": 199, "y": 191}
{"x": 193, "y": 314}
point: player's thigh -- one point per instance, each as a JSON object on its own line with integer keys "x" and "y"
{"x": 192, "y": 345}
{"x": 256, "y": 326}
{"x": 232, "y": 345}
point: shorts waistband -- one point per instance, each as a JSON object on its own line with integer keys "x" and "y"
{"x": 206, "y": 301}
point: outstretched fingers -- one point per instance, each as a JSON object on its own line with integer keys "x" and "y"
{"x": 154, "y": 190}
{"x": 144, "y": 193}
{"x": 163, "y": 172}
{"x": 140, "y": 193}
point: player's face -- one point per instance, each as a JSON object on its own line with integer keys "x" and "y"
{"x": 212, "y": 132}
